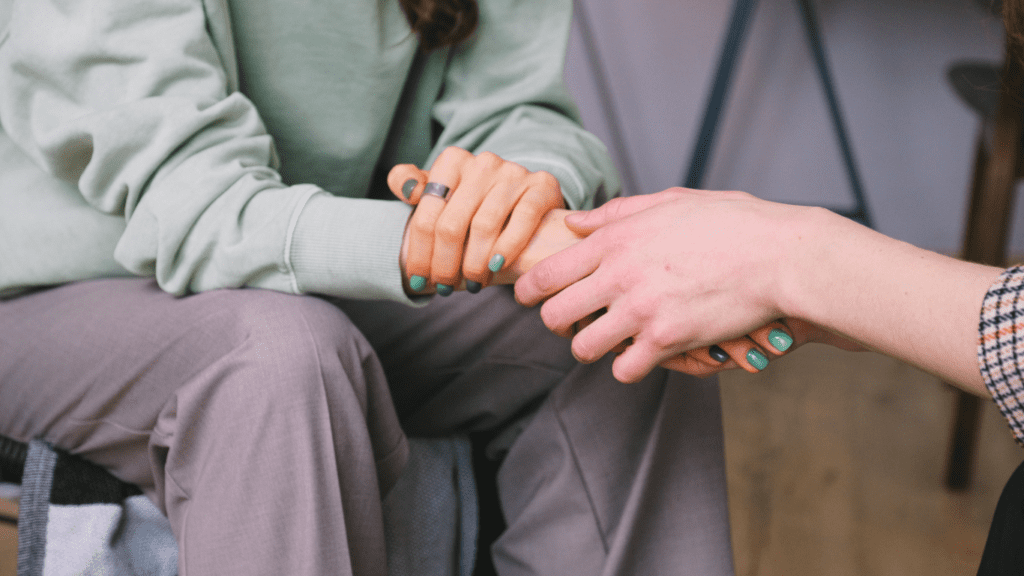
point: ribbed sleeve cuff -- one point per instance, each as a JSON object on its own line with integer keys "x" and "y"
{"x": 349, "y": 247}
{"x": 1001, "y": 346}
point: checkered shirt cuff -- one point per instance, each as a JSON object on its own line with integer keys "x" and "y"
{"x": 1001, "y": 346}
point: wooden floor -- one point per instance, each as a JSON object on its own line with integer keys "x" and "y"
{"x": 8, "y": 541}
{"x": 835, "y": 464}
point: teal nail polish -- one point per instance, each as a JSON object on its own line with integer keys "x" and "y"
{"x": 780, "y": 340}
{"x": 497, "y": 261}
{"x": 756, "y": 359}
{"x": 473, "y": 287}
{"x": 408, "y": 187}
{"x": 417, "y": 283}
{"x": 444, "y": 290}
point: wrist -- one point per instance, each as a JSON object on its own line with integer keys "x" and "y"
{"x": 811, "y": 257}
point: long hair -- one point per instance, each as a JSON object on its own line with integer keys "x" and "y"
{"x": 441, "y": 23}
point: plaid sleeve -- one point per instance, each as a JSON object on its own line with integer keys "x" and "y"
{"x": 1001, "y": 346}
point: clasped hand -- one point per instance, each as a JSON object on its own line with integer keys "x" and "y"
{"x": 500, "y": 220}
{"x": 492, "y": 210}
{"x": 675, "y": 272}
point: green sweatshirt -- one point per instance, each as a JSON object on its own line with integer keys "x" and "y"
{"x": 214, "y": 146}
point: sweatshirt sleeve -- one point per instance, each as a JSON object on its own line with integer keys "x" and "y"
{"x": 132, "y": 102}
{"x": 504, "y": 92}
{"x": 1001, "y": 346}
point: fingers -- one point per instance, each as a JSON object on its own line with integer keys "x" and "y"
{"x": 564, "y": 312}
{"x": 688, "y": 363}
{"x": 775, "y": 338}
{"x": 406, "y": 182}
{"x": 752, "y": 352}
{"x": 503, "y": 228}
{"x": 554, "y": 273}
{"x": 615, "y": 209}
{"x": 619, "y": 208}
{"x": 511, "y": 183}
{"x": 423, "y": 225}
{"x": 493, "y": 209}
{"x": 475, "y": 182}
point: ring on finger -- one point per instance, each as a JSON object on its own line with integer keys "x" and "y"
{"x": 436, "y": 189}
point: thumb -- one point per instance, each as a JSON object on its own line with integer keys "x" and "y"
{"x": 586, "y": 222}
{"x": 406, "y": 181}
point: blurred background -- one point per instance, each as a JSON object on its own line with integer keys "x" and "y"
{"x": 912, "y": 137}
{"x": 836, "y": 461}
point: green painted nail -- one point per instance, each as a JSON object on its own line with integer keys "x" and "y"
{"x": 756, "y": 359}
{"x": 497, "y": 261}
{"x": 417, "y": 283}
{"x": 780, "y": 340}
{"x": 408, "y": 187}
{"x": 444, "y": 290}
{"x": 473, "y": 287}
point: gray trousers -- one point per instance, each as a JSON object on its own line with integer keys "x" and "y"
{"x": 267, "y": 426}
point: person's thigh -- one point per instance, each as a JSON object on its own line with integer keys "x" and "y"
{"x": 259, "y": 422}
{"x": 91, "y": 366}
{"x": 600, "y": 477}
{"x": 467, "y": 362}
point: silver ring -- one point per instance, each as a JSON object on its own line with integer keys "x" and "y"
{"x": 436, "y": 189}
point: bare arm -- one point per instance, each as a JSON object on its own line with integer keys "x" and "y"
{"x": 901, "y": 300}
{"x": 685, "y": 269}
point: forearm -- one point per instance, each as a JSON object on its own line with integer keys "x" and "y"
{"x": 895, "y": 298}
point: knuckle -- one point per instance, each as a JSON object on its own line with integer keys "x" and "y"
{"x": 662, "y": 336}
{"x": 544, "y": 276}
{"x": 486, "y": 224}
{"x": 489, "y": 159}
{"x": 544, "y": 179}
{"x": 616, "y": 207}
{"x": 450, "y": 230}
{"x": 452, "y": 155}
{"x": 422, "y": 227}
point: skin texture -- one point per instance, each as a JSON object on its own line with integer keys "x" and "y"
{"x": 488, "y": 193}
{"x": 683, "y": 269}
{"x": 493, "y": 207}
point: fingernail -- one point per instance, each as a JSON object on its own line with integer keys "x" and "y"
{"x": 497, "y": 261}
{"x": 780, "y": 340}
{"x": 756, "y": 359}
{"x": 473, "y": 287}
{"x": 408, "y": 187}
{"x": 444, "y": 290}
{"x": 718, "y": 354}
{"x": 417, "y": 283}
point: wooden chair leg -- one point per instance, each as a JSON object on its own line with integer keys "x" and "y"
{"x": 963, "y": 440}
{"x": 988, "y": 229}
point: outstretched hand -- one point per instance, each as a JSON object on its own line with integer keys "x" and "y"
{"x": 638, "y": 264}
